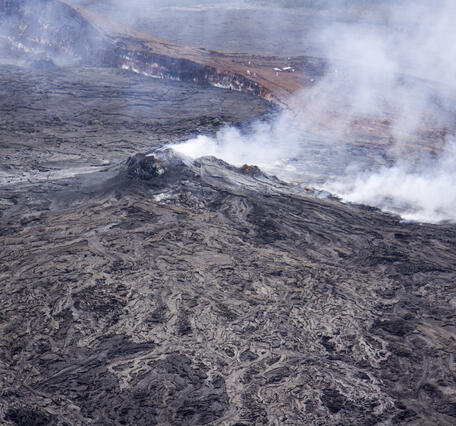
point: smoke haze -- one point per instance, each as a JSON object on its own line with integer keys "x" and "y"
{"x": 398, "y": 66}
{"x": 232, "y": 26}
{"x": 421, "y": 193}
{"x": 392, "y": 61}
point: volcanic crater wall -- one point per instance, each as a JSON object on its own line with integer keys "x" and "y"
{"x": 50, "y": 27}
{"x": 146, "y": 62}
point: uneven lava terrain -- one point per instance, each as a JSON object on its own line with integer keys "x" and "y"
{"x": 154, "y": 291}
{"x": 62, "y": 30}
{"x": 73, "y": 120}
{"x": 140, "y": 288}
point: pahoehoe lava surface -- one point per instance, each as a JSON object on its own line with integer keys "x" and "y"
{"x": 152, "y": 291}
{"x": 64, "y": 121}
{"x": 139, "y": 288}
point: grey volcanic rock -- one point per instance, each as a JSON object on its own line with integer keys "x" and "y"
{"x": 205, "y": 294}
{"x": 75, "y": 120}
{"x": 197, "y": 299}
{"x": 144, "y": 167}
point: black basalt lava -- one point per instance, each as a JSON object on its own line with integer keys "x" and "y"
{"x": 207, "y": 295}
{"x": 144, "y": 289}
{"x": 144, "y": 167}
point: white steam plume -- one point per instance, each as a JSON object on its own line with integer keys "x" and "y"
{"x": 400, "y": 66}
{"x": 425, "y": 193}
{"x": 265, "y": 144}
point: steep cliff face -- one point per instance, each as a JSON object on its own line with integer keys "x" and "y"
{"x": 56, "y": 27}
{"x": 65, "y": 32}
{"x": 49, "y": 27}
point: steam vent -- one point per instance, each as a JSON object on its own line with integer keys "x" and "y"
{"x": 239, "y": 213}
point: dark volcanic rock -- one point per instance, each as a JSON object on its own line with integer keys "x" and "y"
{"x": 251, "y": 170}
{"x": 27, "y": 417}
{"x": 51, "y": 26}
{"x": 205, "y": 294}
{"x": 334, "y": 400}
{"x": 177, "y": 303}
{"x": 144, "y": 167}
{"x": 108, "y": 116}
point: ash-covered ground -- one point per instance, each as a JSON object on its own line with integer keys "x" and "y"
{"x": 151, "y": 290}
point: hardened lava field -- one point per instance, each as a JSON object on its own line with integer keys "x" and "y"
{"x": 140, "y": 288}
